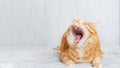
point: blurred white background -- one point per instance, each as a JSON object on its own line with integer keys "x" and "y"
{"x": 29, "y": 29}
{"x": 41, "y": 23}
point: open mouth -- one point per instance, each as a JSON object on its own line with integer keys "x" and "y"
{"x": 77, "y": 33}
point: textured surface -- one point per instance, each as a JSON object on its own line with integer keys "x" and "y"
{"x": 44, "y": 58}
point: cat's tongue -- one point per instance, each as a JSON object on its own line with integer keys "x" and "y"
{"x": 77, "y": 39}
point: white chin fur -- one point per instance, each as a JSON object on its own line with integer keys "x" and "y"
{"x": 70, "y": 37}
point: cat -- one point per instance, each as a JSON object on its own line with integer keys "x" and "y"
{"x": 80, "y": 43}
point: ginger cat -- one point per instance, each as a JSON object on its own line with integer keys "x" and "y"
{"x": 80, "y": 43}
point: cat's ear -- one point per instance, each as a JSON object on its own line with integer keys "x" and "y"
{"x": 97, "y": 25}
{"x": 91, "y": 27}
{"x": 75, "y": 20}
{"x": 78, "y": 21}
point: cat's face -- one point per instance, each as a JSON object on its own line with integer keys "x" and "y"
{"x": 79, "y": 32}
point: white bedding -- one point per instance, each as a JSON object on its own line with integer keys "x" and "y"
{"x": 47, "y": 58}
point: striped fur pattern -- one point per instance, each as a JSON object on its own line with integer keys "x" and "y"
{"x": 88, "y": 51}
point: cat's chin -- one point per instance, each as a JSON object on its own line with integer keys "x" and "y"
{"x": 77, "y": 45}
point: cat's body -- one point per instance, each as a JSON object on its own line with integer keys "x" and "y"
{"x": 80, "y": 43}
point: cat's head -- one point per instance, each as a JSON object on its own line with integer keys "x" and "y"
{"x": 79, "y": 31}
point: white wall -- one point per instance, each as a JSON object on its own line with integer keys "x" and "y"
{"x": 41, "y": 23}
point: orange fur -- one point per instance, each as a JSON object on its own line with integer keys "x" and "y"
{"x": 69, "y": 55}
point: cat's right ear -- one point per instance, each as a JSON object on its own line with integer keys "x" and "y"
{"x": 73, "y": 21}
{"x": 78, "y": 21}
{"x": 90, "y": 27}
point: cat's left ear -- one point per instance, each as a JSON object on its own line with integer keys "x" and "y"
{"x": 92, "y": 27}
{"x": 97, "y": 24}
